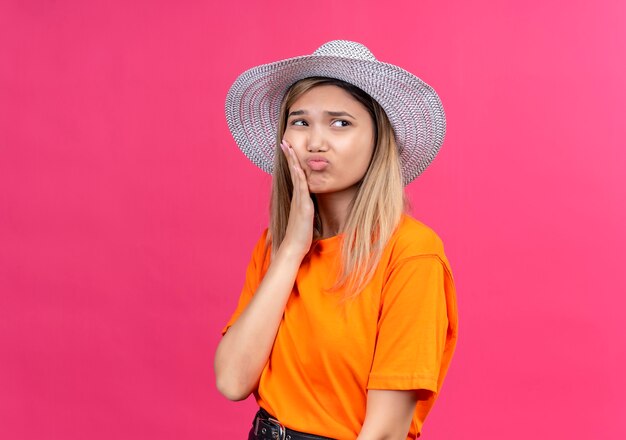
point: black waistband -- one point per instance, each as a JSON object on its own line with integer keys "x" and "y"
{"x": 267, "y": 427}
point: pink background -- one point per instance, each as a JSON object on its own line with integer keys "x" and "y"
{"x": 127, "y": 214}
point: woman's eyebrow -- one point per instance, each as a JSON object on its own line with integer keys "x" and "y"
{"x": 329, "y": 113}
{"x": 339, "y": 114}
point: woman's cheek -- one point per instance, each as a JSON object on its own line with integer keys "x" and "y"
{"x": 297, "y": 142}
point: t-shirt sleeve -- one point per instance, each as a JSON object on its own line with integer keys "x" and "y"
{"x": 417, "y": 328}
{"x": 254, "y": 275}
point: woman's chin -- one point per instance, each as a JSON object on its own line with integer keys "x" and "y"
{"x": 317, "y": 185}
{"x": 322, "y": 188}
{"x": 317, "y": 190}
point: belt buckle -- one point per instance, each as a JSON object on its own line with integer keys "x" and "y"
{"x": 282, "y": 430}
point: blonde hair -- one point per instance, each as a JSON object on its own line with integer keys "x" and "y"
{"x": 376, "y": 209}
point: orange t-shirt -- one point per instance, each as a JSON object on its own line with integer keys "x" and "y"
{"x": 398, "y": 334}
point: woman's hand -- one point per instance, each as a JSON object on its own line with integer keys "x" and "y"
{"x": 299, "y": 234}
{"x": 245, "y": 349}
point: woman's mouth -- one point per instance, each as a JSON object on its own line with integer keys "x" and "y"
{"x": 317, "y": 164}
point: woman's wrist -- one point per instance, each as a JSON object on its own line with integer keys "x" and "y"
{"x": 289, "y": 253}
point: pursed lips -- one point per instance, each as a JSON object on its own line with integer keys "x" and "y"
{"x": 317, "y": 163}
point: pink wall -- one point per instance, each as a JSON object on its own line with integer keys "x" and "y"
{"x": 127, "y": 214}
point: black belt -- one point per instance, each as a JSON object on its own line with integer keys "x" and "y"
{"x": 266, "y": 427}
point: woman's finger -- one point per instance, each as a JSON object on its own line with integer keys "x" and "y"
{"x": 295, "y": 177}
{"x": 292, "y": 160}
{"x": 304, "y": 186}
{"x": 284, "y": 146}
{"x": 301, "y": 185}
{"x": 287, "y": 150}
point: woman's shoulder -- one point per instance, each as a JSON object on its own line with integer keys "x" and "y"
{"x": 414, "y": 238}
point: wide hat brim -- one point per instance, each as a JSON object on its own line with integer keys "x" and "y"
{"x": 412, "y": 106}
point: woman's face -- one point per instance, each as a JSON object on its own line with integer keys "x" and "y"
{"x": 333, "y": 136}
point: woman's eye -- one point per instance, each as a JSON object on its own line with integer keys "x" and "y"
{"x": 298, "y": 122}
{"x": 340, "y": 123}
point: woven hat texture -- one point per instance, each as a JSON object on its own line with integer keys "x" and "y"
{"x": 413, "y": 107}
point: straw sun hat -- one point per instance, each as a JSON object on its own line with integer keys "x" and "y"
{"x": 413, "y": 107}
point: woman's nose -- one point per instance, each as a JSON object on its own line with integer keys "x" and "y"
{"x": 316, "y": 141}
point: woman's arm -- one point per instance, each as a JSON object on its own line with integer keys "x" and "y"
{"x": 245, "y": 348}
{"x": 243, "y": 351}
{"x": 389, "y": 412}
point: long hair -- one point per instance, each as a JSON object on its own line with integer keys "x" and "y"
{"x": 375, "y": 211}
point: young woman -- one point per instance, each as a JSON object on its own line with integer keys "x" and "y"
{"x": 347, "y": 321}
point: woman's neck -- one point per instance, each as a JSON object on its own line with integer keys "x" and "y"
{"x": 333, "y": 210}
